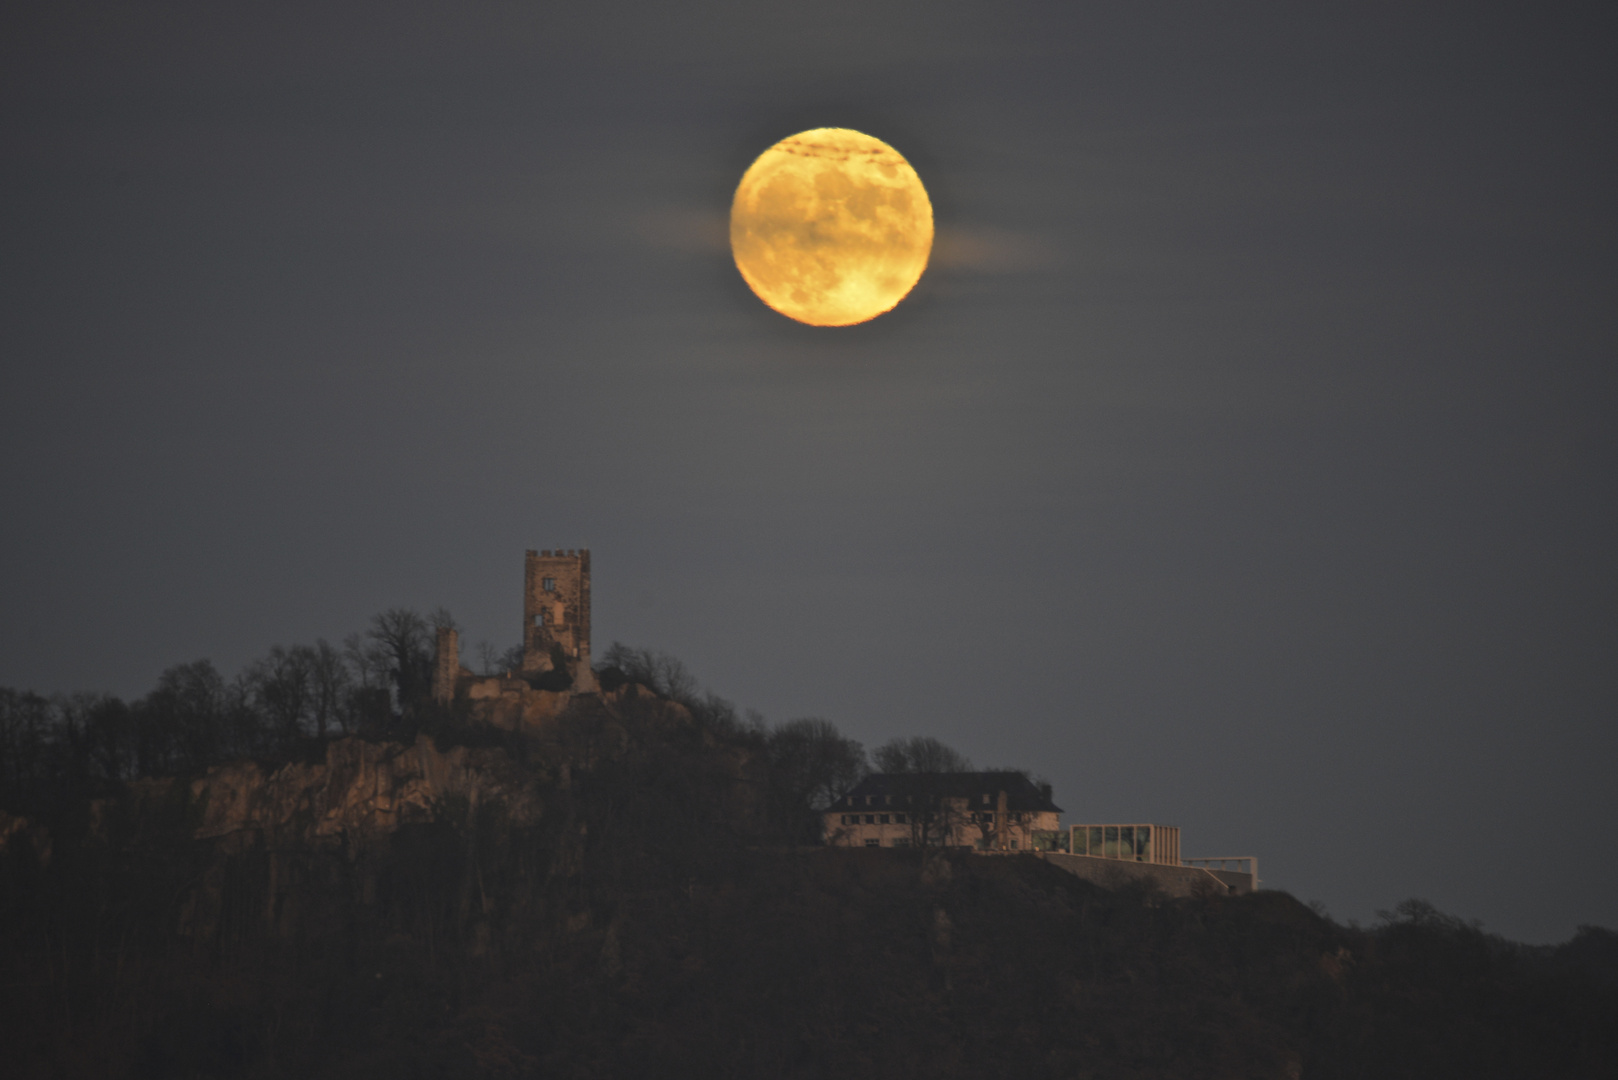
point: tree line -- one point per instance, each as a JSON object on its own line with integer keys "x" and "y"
{"x": 808, "y": 764}
{"x": 651, "y": 923}
{"x": 196, "y": 717}
{"x": 57, "y": 751}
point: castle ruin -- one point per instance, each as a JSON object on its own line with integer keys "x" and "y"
{"x": 555, "y": 648}
{"x": 556, "y": 614}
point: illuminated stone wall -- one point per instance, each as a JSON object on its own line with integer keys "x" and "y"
{"x": 446, "y": 664}
{"x": 556, "y": 613}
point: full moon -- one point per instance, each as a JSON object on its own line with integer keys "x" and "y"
{"x": 831, "y": 227}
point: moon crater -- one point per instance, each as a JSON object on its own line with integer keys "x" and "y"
{"x": 831, "y": 227}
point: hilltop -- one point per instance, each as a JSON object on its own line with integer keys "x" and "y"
{"x": 624, "y": 895}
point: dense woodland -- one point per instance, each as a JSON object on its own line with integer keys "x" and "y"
{"x": 669, "y": 915}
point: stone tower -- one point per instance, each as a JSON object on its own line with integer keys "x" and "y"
{"x": 556, "y": 614}
{"x": 446, "y": 665}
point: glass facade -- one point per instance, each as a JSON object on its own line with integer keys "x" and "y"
{"x": 1131, "y": 843}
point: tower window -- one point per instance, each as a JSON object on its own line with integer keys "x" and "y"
{"x": 539, "y": 618}
{"x": 549, "y": 584}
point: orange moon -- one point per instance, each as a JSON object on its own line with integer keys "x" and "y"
{"x": 831, "y": 227}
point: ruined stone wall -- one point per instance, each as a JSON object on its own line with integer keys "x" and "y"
{"x": 511, "y": 704}
{"x": 556, "y": 613}
{"x": 446, "y": 665}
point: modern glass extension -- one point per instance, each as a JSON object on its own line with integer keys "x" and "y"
{"x": 1130, "y": 843}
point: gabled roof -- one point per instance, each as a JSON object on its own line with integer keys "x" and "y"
{"x": 1022, "y": 796}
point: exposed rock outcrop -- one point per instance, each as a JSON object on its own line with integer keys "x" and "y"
{"x": 361, "y": 791}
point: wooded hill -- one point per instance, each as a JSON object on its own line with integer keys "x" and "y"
{"x": 629, "y": 896}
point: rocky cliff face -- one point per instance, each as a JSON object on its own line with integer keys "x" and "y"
{"x": 376, "y": 830}
{"x": 362, "y": 791}
{"x": 481, "y": 845}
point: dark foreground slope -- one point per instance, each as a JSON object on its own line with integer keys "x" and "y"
{"x": 632, "y": 925}
{"x": 829, "y": 963}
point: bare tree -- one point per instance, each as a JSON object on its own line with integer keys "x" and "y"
{"x": 25, "y": 728}
{"x": 332, "y": 683}
{"x": 511, "y": 659}
{"x": 922, "y": 766}
{"x": 811, "y": 766}
{"x": 919, "y": 754}
{"x": 369, "y": 661}
{"x": 181, "y": 723}
{"x": 488, "y": 655}
{"x": 402, "y": 633}
{"x": 822, "y": 763}
{"x": 660, "y": 673}
{"x": 284, "y": 689}
{"x": 103, "y": 737}
{"x": 674, "y": 679}
{"x": 245, "y": 727}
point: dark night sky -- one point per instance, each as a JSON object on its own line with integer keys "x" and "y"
{"x": 1245, "y": 461}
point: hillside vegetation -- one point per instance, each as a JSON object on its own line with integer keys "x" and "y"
{"x": 631, "y": 894}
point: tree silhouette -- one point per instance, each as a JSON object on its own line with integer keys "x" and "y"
{"x": 921, "y": 767}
